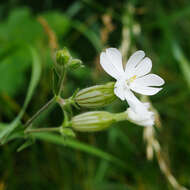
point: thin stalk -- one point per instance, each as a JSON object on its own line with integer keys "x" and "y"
{"x": 36, "y": 115}
{"x": 61, "y": 83}
{"x": 52, "y": 129}
{"x": 121, "y": 116}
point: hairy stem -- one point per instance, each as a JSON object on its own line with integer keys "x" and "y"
{"x": 52, "y": 129}
{"x": 61, "y": 83}
{"x": 37, "y": 114}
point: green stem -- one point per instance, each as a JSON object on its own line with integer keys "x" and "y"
{"x": 61, "y": 83}
{"x": 53, "y": 129}
{"x": 36, "y": 115}
{"x": 121, "y": 116}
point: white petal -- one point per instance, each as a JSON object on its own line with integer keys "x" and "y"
{"x": 105, "y": 63}
{"x": 134, "y": 60}
{"x": 116, "y": 58}
{"x": 144, "y": 89}
{"x": 119, "y": 90}
{"x": 134, "y": 102}
{"x": 149, "y": 80}
{"x": 111, "y": 61}
{"x": 143, "y": 67}
{"x": 146, "y": 119}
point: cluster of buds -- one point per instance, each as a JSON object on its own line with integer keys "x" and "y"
{"x": 64, "y": 60}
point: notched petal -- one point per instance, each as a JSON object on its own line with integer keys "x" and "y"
{"x": 105, "y": 63}
{"x": 149, "y": 91}
{"x": 111, "y": 61}
{"x": 134, "y": 59}
{"x": 143, "y": 67}
{"x": 149, "y": 80}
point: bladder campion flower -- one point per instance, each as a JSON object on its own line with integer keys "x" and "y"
{"x": 134, "y": 77}
{"x": 146, "y": 120}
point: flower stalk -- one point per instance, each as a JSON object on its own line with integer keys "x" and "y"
{"x": 61, "y": 82}
{"x": 49, "y": 129}
{"x": 121, "y": 116}
{"x": 39, "y": 112}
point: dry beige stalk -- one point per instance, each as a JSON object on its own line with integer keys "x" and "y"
{"x": 53, "y": 44}
{"x": 108, "y": 27}
{"x": 126, "y": 31}
{"x": 105, "y": 31}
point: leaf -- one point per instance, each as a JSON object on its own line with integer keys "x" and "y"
{"x": 89, "y": 34}
{"x": 20, "y": 28}
{"x": 36, "y": 71}
{"x": 183, "y": 62}
{"x": 58, "y": 22}
{"x": 13, "y": 70}
{"x": 74, "y": 8}
{"x": 57, "y": 139}
{"x": 28, "y": 143}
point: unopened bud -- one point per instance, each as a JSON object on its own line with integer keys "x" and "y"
{"x": 63, "y": 56}
{"x": 75, "y": 63}
{"x": 92, "y": 121}
{"x": 96, "y": 96}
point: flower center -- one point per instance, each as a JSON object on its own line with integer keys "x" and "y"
{"x": 130, "y": 80}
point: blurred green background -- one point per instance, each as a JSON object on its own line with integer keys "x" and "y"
{"x": 114, "y": 159}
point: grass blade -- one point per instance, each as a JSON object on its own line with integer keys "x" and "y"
{"x": 36, "y": 71}
{"x": 183, "y": 62}
{"x": 72, "y": 143}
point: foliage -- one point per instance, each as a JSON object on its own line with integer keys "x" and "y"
{"x": 112, "y": 159}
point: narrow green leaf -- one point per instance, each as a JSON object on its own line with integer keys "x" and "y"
{"x": 89, "y": 34}
{"x": 183, "y": 62}
{"x": 57, "y": 139}
{"x": 36, "y": 71}
{"x": 26, "y": 145}
{"x": 74, "y": 8}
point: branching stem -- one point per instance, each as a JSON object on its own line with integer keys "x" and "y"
{"x": 42, "y": 109}
{"x": 61, "y": 82}
{"x": 52, "y": 129}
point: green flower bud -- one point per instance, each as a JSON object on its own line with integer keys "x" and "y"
{"x": 96, "y": 96}
{"x": 92, "y": 121}
{"x": 75, "y": 63}
{"x": 63, "y": 56}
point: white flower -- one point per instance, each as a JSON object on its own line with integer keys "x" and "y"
{"x": 146, "y": 119}
{"x": 134, "y": 77}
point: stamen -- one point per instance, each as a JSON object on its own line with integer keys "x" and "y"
{"x": 132, "y": 78}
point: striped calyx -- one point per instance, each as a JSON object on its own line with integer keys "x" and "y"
{"x": 92, "y": 121}
{"x": 96, "y": 96}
